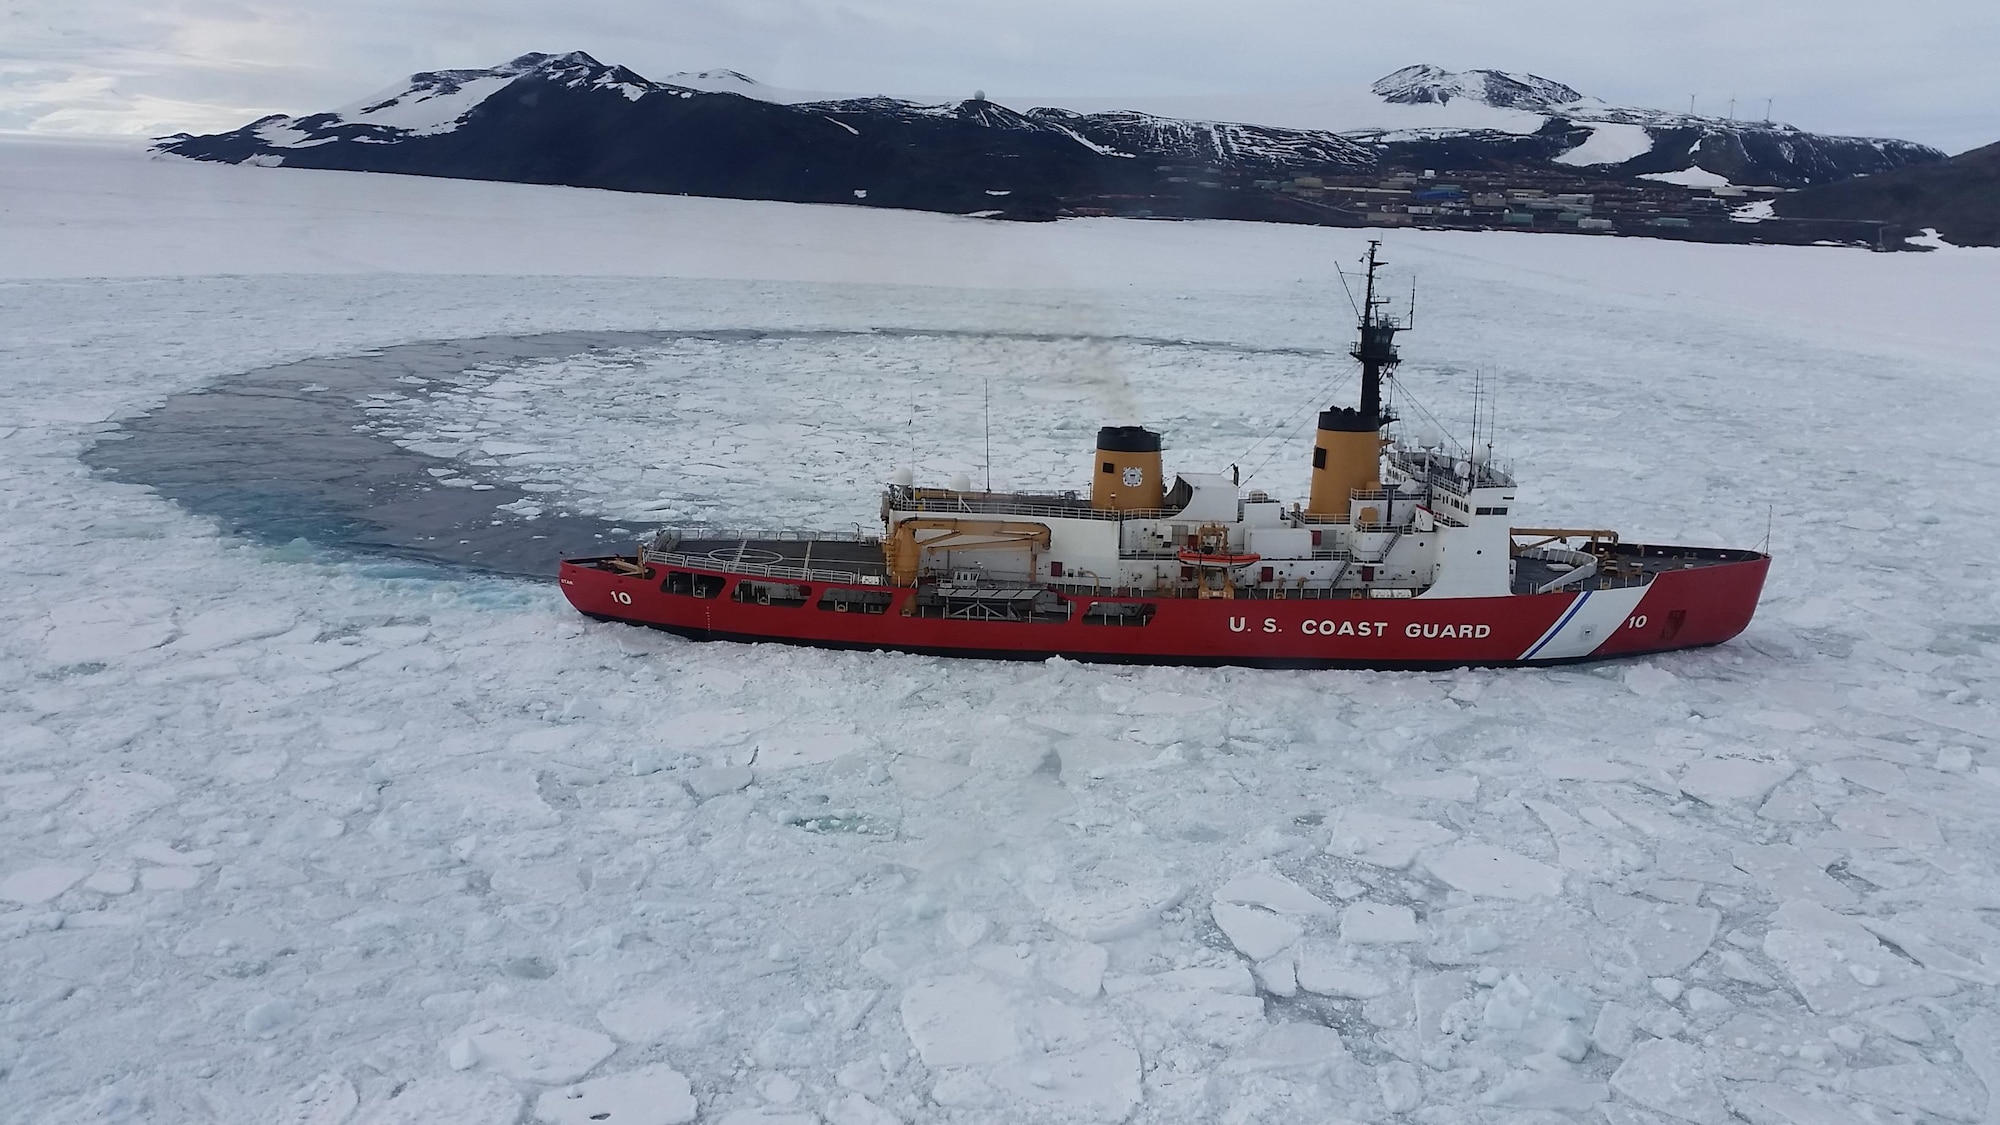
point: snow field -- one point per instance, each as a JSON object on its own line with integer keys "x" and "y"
{"x": 287, "y": 834}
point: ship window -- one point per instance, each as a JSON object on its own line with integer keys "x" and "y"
{"x": 1055, "y": 569}
{"x": 1319, "y": 456}
{"x": 838, "y": 599}
{"x": 1109, "y": 468}
{"x": 1491, "y": 512}
{"x": 772, "y": 593}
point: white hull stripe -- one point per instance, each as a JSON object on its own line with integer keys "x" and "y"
{"x": 1550, "y": 635}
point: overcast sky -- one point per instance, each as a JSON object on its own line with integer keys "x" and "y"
{"x": 1924, "y": 70}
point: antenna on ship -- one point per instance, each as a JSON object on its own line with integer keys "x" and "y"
{"x": 989, "y": 434}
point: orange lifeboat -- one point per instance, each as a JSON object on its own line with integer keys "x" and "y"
{"x": 1195, "y": 556}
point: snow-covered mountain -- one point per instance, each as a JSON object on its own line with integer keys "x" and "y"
{"x": 1425, "y": 84}
{"x": 570, "y": 119}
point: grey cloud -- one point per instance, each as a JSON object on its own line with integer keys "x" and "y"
{"x": 1842, "y": 66}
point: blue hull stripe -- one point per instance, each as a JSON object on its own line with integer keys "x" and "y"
{"x": 1552, "y": 633}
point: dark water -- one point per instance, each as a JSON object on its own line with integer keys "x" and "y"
{"x": 273, "y": 461}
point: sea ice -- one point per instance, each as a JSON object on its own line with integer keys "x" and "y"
{"x": 1272, "y": 892}
{"x": 1255, "y": 932}
{"x": 1372, "y": 923}
{"x": 33, "y": 885}
{"x": 427, "y": 1101}
{"x": 528, "y": 1049}
{"x": 648, "y": 1095}
{"x": 1669, "y": 1076}
{"x": 1385, "y": 841}
{"x": 1720, "y": 781}
{"x": 1483, "y": 869}
{"x": 954, "y": 1021}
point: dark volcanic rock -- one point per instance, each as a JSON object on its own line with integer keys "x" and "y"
{"x": 572, "y": 120}
{"x": 569, "y": 119}
{"x": 1959, "y": 198}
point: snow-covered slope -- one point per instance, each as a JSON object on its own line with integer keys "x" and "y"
{"x": 1454, "y": 118}
{"x": 295, "y": 833}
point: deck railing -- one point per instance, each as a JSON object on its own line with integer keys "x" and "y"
{"x": 764, "y": 570}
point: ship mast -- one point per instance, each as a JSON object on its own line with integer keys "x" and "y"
{"x": 1377, "y": 347}
{"x": 1347, "y": 450}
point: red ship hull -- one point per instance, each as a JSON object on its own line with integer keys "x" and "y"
{"x": 1700, "y": 605}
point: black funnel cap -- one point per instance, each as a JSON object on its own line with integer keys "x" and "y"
{"x": 1127, "y": 439}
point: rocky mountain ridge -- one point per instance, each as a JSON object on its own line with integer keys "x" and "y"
{"x": 570, "y": 119}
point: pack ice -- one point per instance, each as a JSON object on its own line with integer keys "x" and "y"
{"x": 294, "y": 831}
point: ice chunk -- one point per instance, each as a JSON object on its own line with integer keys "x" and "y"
{"x": 650, "y": 1095}
{"x": 649, "y": 1017}
{"x": 1721, "y": 781}
{"x": 1787, "y": 872}
{"x": 1978, "y": 1042}
{"x": 1918, "y": 1087}
{"x": 115, "y": 802}
{"x": 1107, "y": 902}
{"x": 1440, "y": 787}
{"x": 1764, "y": 1102}
{"x": 1289, "y": 1046}
{"x": 1086, "y": 758}
{"x": 1669, "y": 1076}
{"x": 768, "y": 1115}
{"x": 714, "y": 781}
{"x": 1278, "y": 976}
{"x": 1094, "y": 1082}
{"x": 1233, "y": 977}
{"x": 1255, "y": 932}
{"x": 238, "y": 936}
{"x": 957, "y": 1020}
{"x": 1272, "y": 892}
{"x": 927, "y": 779}
{"x": 1550, "y": 1089}
{"x": 166, "y": 855}
{"x": 1585, "y": 769}
{"x": 793, "y": 749}
{"x": 326, "y": 1100}
{"x": 1324, "y": 972}
{"x": 1483, "y": 869}
{"x": 268, "y": 1017}
{"x": 1664, "y": 938}
{"x": 1371, "y": 923}
{"x": 1402, "y": 1090}
{"x": 428, "y": 1101}
{"x": 1840, "y": 971}
{"x": 33, "y": 885}
{"x": 1898, "y": 823}
{"x": 532, "y": 1050}
{"x": 170, "y": 878}
{"x": 112, "y": 881}
{"x": 1385, "y": 841}
{"x": 855, "y": 1109}
{"x": 1076, "y": 967}
{"x": 97, "y": 631}
{"x": 220, "y": 628}
{"x": 1615, "y": 1030}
